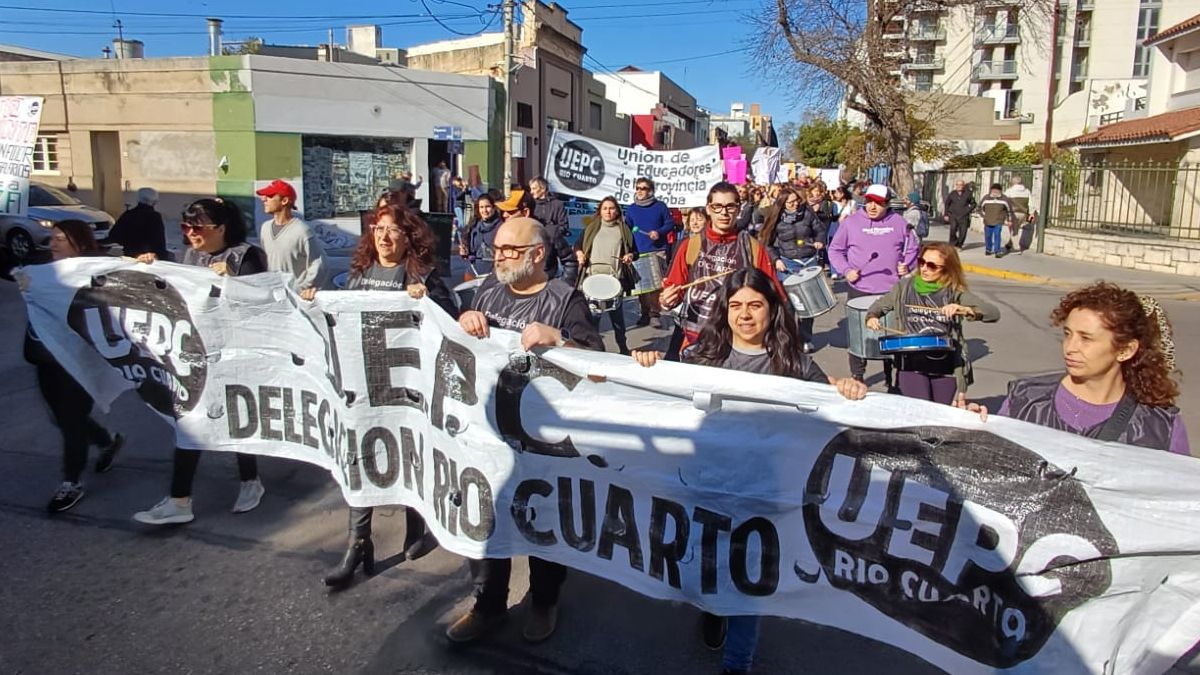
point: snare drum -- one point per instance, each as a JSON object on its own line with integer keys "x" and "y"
{"x": 464, "y": 293}
{"x": 650, "y": 274}
{"x": 808, "y": 292}
{"x": 860, "y": 340}
{"x": 603, "y": 292}
{"x": 904, "y": 344}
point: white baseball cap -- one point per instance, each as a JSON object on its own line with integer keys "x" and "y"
{"x": 877, "y": 193}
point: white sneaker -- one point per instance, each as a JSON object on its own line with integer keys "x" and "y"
{"x": 249, "y": 496}
{"x": 166, "y": 512}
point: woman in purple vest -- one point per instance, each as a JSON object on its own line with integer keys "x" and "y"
{"x": 1119, "y": 359}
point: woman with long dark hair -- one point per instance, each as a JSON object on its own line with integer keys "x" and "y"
{"x": 794, "y": 238}
{"x": 70, "y": 405}
{"x": 751, "y": 329}
{"x": 604, "y": 247}
{"x": 1119, "y": 355}
{"x": 934, "y": 302}
{"x": 216, "y": 236}
{"x": 480, "y": 234}
{"x": 396, "y": 255}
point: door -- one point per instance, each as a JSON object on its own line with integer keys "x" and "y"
{"x": 108, "y": 192}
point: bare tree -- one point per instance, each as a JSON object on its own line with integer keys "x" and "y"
{"x": 838, "y": 48}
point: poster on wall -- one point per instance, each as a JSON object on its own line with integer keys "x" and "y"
{"x": 584, "y": 167}
{"x": 19, "y": 118}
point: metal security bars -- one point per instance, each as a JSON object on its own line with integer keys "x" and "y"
{"x": 1145, "y": 199}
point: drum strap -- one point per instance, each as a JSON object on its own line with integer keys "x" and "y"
{"x": 1115, "y": 425}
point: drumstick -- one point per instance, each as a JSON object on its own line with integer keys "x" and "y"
{"x": 706, "y": 279}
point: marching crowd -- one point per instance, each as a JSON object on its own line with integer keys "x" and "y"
{"x": 721, "y": 274}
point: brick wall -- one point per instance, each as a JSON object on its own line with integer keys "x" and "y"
{"x": 1172, "y": 257}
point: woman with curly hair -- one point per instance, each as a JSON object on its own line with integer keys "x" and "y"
{"x": 396, "y": 255}
{"x": 751, "y": 329}
{"x": 1119, "y": 356}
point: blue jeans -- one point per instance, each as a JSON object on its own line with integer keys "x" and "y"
{"x": 991, "y": 238}
{"x": 740, "y": 642}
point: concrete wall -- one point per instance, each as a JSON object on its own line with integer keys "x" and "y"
{"x": 614, "y": 128}
{"x": 1151, "y": 255}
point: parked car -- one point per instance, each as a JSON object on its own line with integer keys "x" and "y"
{"x": 48, "y": 205}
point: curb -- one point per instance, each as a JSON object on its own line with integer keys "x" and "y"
{"x": 1024, "y": 277}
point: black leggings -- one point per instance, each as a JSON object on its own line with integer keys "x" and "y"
{"x": 183, "y": 471}
{"x": 360, "y": 524}
{"x": 71, "y": 408}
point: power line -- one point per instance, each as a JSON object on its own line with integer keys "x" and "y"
{"x": 453, "y": 30}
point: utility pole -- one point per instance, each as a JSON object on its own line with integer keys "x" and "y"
{"x": 120, "y": 38}
{"x": 1048, "y": 137}
{"x": 509, "y": 104}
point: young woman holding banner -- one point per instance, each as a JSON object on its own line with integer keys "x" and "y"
{"x": 70, "y": 405}
{"x": 1119, "y": 356}
{"x": 397, "y": 254}
{"x": 216, "y": 235}
{"x": 751, "y": 329}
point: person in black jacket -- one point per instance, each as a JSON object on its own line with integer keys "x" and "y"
{"x": 956, "y": 211}
{"x": 794, "y": 237}
{"x": 552, "y": 214}
{"x": 140, "y": 229}
{"x": 69, "y": 403}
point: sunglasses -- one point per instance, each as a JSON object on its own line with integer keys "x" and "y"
{"x": 196, "y": 227}
{"x": 642, "y": 188}
{"x": 931, "y": 266}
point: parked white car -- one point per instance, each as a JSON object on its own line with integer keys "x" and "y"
{"x": 48, "y": 205}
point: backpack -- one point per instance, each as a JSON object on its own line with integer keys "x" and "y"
{"x": 922, "y": 227}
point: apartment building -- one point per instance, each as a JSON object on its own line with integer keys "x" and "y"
{"x": 753, "y": 124}
{"x": 662, "y": 115}
{"x": 998, "y": 51}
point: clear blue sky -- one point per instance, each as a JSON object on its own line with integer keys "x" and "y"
{"x": 680, "y": 37}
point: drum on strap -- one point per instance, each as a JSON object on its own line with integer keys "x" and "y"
{"x": 860, "y": 340}
{"x": 339, "y": 281}
{"x": 603, "y": 292}
{"x": 464, "y": 293}
{"x": 650, "y": 274}
{"x": 809, "y": 293}
{"x": 907, "y": 344}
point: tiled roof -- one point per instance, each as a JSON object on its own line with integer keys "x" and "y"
{"x": 1165, "y": 127}
{"x": 1181, "y": 27}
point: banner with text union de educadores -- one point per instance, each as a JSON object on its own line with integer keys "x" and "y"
{"x": 980, "y": 547}
{"x": 584, "y": 167}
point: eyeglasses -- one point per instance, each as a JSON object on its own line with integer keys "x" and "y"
{"x": 389, "y": 231}
{"x": 931, "y": 266}
{"x": 642, "y": 188}
{"x": 727, "y": 208}
{"x": 196, "y": 227}
{"x": 512, "y": 252}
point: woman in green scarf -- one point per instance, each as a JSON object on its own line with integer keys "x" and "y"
{"x": 934, "y": 302}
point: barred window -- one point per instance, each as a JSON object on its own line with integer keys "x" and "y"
{"x": 45, "y": 154}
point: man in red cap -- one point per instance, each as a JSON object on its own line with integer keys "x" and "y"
{"x": 290, "y": 244}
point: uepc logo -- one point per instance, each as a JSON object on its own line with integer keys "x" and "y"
{"x": 141, "y": 325}
{"x": 579, "y": 166}
{"x": 973, "y": 541}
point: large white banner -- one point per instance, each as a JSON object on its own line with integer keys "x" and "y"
{"x": 584, "y": 167}
{"x": 977, "y": 546}
{"x": 19, "y": 119}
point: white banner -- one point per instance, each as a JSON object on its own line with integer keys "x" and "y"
{"x": 977, "y": 546}
{"x": 19, "y": 118}
{"x": 584, "y": 167}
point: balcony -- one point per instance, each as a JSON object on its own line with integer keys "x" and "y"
{"x": 1007, "y": 3}
{"x": 998, "y": 35}
{"x": 1018, "y": 117}
{"x": 924, "y": 62}
{"x": 1085, "y": 5}
{"x": 926, "y": 34}
{"x": 994, "y": 70}
{"x": 1083, "y": 37}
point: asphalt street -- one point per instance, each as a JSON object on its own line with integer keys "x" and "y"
{"x": 91, "y": 591}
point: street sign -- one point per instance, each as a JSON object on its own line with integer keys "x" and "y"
{"x": 456, "y": 133}
{"x": 447, "y": 133}
{"x": 455, "y": 147}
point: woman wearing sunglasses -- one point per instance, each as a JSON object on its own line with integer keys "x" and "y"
{"x": 934, "y": 302}
{"x": 397, "y": 255}
{"x": 216, "y": 236}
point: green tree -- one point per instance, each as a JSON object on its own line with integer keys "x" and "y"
{"x": 819, "y": 141}
{"x": 251, "y": 45}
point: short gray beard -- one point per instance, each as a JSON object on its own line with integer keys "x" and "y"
{"x": 515, "y": 274}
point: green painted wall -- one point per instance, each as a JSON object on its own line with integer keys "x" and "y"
{"x": 489, "y": 155}
{"x": 277, "y": 155}
{"x": 233, "y": 130}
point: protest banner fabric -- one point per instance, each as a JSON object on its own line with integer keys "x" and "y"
{"x": 976, "y": 546}
{"x": 584, "y": 167}
{"x": 19, "y": 119}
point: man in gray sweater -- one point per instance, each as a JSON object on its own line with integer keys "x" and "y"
{"x": 290, "y": 244}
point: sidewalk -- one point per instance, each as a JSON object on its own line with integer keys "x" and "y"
{"x": 1035, "y": 268}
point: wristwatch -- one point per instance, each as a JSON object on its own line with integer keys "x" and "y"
{"x": 564, "y": 336}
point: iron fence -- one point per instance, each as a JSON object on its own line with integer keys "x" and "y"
{"x": 1147, "y": 199}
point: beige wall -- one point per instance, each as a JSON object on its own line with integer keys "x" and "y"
{"x": 161, "y": 109}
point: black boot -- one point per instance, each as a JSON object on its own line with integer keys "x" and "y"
{"x": 360, "y": 551}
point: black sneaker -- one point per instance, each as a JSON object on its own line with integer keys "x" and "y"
{"x": 808, "y": 348}
{"x": 105, "y": 461}
{"x": 643, "y": 321}
{"x": 712, "y": 630}
{"x": 68, "y": 495}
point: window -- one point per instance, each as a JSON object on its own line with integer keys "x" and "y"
{"x": 1147, "y": 28}
{"x": 45, "y": 154}
{"x": 596, "y": 116}
{"x": 524, "y": 115}
{"x": 1109, "y": 118}
{"x": 923, "y": 80}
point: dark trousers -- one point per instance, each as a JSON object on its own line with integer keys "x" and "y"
{"x": 959, "y": 226}
{"x": 183, "y": 470}
{"x": 675, "y": 344}
{"x": 71, "y": 407}
{"x": 858, "y": 365}
{"x": 617, "y": 316}
{"x": 491, "y": 576}
{"x": 806, "y": 329}
{"x": 360, "y": 524}
{"x": 936, "y": 388}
